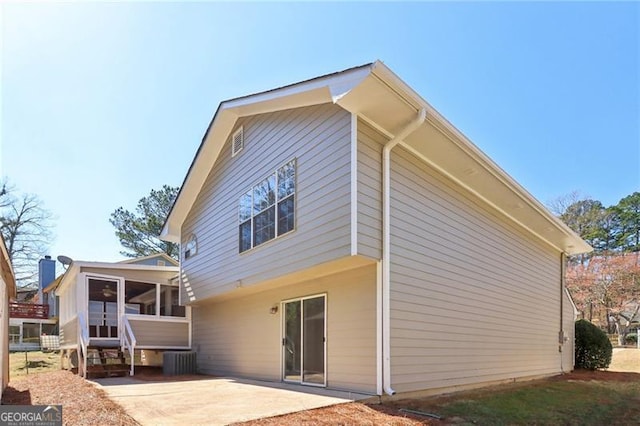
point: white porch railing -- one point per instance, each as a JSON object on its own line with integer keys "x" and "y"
{"x": 128, "y": 341}
{"x": 83, "y": 339}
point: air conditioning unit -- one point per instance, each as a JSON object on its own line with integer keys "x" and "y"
{"x": 175, "y": 363}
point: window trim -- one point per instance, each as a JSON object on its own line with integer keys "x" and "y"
{"x": 234, "y": 151}
{"x": 158, "y": 302}
{"x": 186, "y": 252}
{"x": 251, "y": 219}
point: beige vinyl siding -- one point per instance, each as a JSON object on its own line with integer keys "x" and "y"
{"x": 473, "y": 299}
{"x": 568, "y": 322}
{"x": 318, "y": 137}
{"x": 151, "y": 333}
{"x": 239, "y": 337}
{"x": 69, "y": 332}
{"x": 370, "y": 143}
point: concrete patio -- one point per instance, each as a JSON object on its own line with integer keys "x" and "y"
{"x": 215, "y": 401}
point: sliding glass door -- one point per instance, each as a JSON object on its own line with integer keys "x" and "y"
{"x": 304, "y": 343}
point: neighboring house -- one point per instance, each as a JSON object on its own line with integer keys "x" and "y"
{"x": 7, "y": 291}
{"x": 24, "y": 295}
{"x": 340, "y": 232}
{"x": 129, "y": 311}
{"x": 33, "y": 324}
{"x": 157, "y": 259}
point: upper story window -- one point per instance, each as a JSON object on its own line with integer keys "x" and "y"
{"x": 191, "y": 247}
{"x": 267, "y": 210}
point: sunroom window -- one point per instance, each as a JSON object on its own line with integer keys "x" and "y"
{"x": 267, "y": 210}
{"x": 145, "y": 298}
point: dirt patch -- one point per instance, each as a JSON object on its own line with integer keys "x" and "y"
{"x": 605, "y": 376}
{"x": 345, "y": 414}
{"x": 83, "y": 403}
{"x": 27, "y": 363}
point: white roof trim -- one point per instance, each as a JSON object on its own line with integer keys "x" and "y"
{"x": 76, "y": 266}
{"x": 151, "y": 256}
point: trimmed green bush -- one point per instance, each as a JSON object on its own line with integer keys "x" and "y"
{"x": 631, "y": 339}
{"x": 593, "y": 348}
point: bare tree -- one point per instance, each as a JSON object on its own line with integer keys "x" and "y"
{"x": 26, "y": 228}
{"x": 558, "y": 206}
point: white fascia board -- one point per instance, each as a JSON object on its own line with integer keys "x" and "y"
{"x": 403, "y": 90}
{"x": 338, "y": 84}
{"x": 126, "y": 266}
{"x": 170, "y": 234}
{"x": 74, "y": 269}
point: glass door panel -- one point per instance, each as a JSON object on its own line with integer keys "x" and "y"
{"x": 313, "y": 352}
{"x": 292, "y": 341}
{"x": 103, "y": 308}
{"x": 304, "y": 340}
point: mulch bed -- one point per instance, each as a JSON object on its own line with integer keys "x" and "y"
{"x": 83, "y": 403}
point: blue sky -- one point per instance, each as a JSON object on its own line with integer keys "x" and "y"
{"x": 101, "y": 102}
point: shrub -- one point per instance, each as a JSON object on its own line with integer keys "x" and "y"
{"x": 631, "y": 339}
{"x": 593, "y": 348}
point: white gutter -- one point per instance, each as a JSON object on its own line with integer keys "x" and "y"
{"x": 386, "y": 245}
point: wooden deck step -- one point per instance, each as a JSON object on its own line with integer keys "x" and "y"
{"x": 106, "y": 362}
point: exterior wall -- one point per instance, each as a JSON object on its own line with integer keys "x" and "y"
{"x": 568, "y": 321}
{"x": 160, "y": 333}
{"x": 370, "y": 144}
{"x": 239, "y": 337}
{"x": 473, "y": 299}
{"x": 319, "y": 138}
{"x": 69, "y": 333}
{"x": 68, "y": 299}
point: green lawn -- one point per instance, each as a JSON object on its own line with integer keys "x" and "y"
{"x": 607, "y": 400}
{"x": 35, "y": 362}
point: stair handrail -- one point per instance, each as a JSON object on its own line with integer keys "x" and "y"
{"x": 128, "y": 341}
{"x": 83, "y": 332}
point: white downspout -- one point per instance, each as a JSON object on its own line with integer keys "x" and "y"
{"x": 386, "y": 246}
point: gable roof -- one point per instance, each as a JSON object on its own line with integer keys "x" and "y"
{"x": 382, "y": 99}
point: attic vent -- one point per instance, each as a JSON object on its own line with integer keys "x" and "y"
{"x": 237, "y": 142}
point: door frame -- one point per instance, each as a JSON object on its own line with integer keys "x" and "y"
{"x": 283, "y": 334}
{"x": 119, "y": 299}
